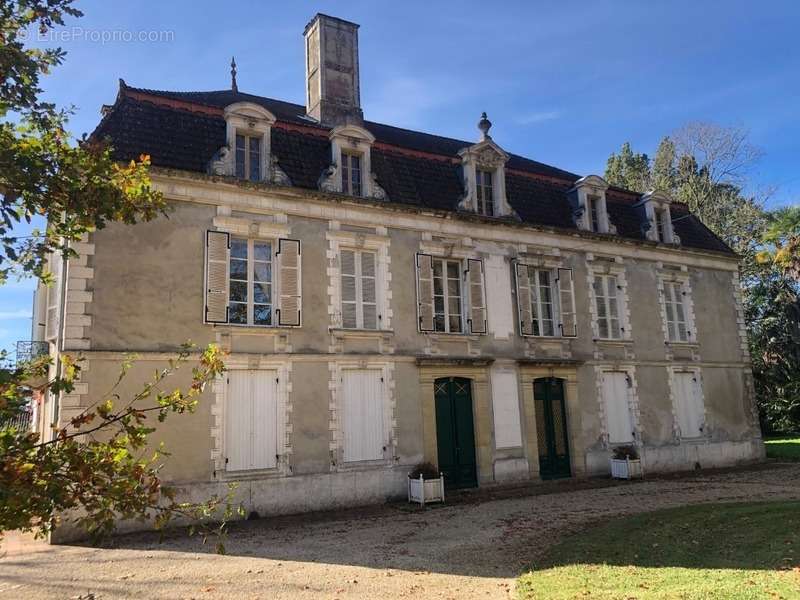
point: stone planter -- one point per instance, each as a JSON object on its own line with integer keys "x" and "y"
{"x": 426, "y": 490}
{"x": 626, "y": 468}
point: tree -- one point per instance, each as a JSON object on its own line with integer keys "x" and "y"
{"x": 629, "y": 170}
{"x": 98, "y": 466}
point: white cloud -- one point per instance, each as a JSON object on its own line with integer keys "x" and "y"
{"x": 8, "y": 315}
{"x": 538, "y": 117}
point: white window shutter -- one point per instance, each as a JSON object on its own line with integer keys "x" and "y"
{"x": 347, "y": 262}
{"x": 363, "y": 419}
{"x": 369, "y": 300}
{"x": 477, "y": 296}
{"x": 289, "y": 282}
{"x": 566, "y": 299}
{"x": 618, "y": 413}
{"x": 218, "y": 244}
{"x": 425, "y": 291}
{"x": 523, "y": 298}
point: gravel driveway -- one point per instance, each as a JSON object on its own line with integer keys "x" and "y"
{"x": 472, "y": 549}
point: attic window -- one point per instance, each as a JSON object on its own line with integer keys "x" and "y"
{"x": 593, "y": 210}
{"x": 248, "y": 157}
{"x": 485, "y": 194}
{"x": 656, "y": 218}
{"x": 588, "y": 201}
{"x": 351, "y": 174}
{"x": 661, "y": 220}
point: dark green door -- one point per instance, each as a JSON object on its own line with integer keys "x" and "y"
{"x": 455, "y": 432}
{"x": 551, "y": 428}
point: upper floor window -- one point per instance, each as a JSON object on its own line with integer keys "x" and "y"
{"x": 545, "y": 299}
{"x": 606, "y": 288}
{"x": 593, "y": 210}
{"x": 359, "y": 299}
{"x": 248, "y": 157}
{"x": 678, "y": 314}
{"x": 485, "y": 196}
{"x": 451, "y": 298}
{"x": 250, "y": 289}
{"x": 351, "y": 174}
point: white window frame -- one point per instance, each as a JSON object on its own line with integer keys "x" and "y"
{"x": 347, "y": 157}
{"x": 608, "y": 301}
{"x": 654, "y": 207}
{"x": 443, "y": 262}
{"x": 587, "y": 195}
{"x": 274, "y": 291}
{"x": 616, "y": 268}
{"x": 246, "y": 167}
{"x": 483, "y": 205}
{"x": 485, "y": 156}
{"x": 358, "y": 276}
{"x": 667, "y": 282}
{"x": 351, "y": 139}
{"x": 536, "y": 301}
{"x": 251, "y": 120}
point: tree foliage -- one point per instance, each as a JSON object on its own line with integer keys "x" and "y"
{"x": 99, "y": 466}
{"x": 707, "y": 167}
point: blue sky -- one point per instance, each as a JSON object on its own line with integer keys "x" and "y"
{"x": 564, "y": 82}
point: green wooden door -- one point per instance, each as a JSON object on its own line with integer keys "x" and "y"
{"x": 455, "y": 432}
{"x": 551, "y": 428}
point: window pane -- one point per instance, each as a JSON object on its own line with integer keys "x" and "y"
{"x": 455, "y": 324}
{"x": 238, "y": 269}
{"x": 262, "y": 293}
{"x": 240, "y": 155}
{"x": 370, "y": 316}
{"x": 438, "y": 304}
{"x": 262, "y": 314}
{"x": 262, "y": 271}
{"x": 255, "y": 158}
{"x": 437, "y": 268}
{"x": 349, "y": 315}
{"x": 452, "y": 270}
{"x": 238, "y": 313}
{"x": 238, "y": 291}
{"x": 262, "y": 251}
{"x": 454, "y": 306}
{"x": 238, "y": 248}
{"x": 438, "y": 323}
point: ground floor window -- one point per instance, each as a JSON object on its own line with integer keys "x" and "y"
{"x": 363, "y": 415}
{"x": 251, "y": 420}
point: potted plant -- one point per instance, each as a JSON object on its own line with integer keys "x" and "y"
{"x": 425, "y": 484}
{"x": 625, "y": 463}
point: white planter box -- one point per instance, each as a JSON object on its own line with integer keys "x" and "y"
{"x": 626, "y": 468}
{"x": 426, "y": 490}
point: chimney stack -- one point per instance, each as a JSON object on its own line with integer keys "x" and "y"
{"x": 332, "y": 89}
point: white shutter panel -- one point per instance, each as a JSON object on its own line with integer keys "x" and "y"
{"x": 524, "y": 298}
{"x": 264, "y": 443}
{"x": 477, "y": 296}
{"x": 237, "y": 421}
{"x": 505, "y": 408}
{"x": 289, "y": 282}
{"x": 218, "y": 244}
{"x": 425, "y": 291}
{"x": 566, "y": 302}
{"x": 618, "y": 416}
{"x": 52, "y": 317}
{"x": 348, "y": 271}
{"x": 362, "y": 415}
{"x": 369, "y": 304}
{"x": 689, "y": 408}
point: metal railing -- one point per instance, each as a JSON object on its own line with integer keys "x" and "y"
{"x": 22, "y": 421}
{"x": 29, "y": 350}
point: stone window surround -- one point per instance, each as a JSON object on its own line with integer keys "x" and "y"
{"x": 677, "y": 274}
{"x": 354, "y": 140}
{"x": 696, "y": 372}
{"x": 591, "y": 188}
{"x": 547, "y": 259}
{"x": 377, "y": 242}
{"x": 336, "y": 446}
{"x": 247, "y": 118}
{"x": 218, "y": 415}
{"x": 633, "y": 400}
{"x": 487, "y": 156}
{"x": 609, "y": 266}
{"x": 658, "y": 201}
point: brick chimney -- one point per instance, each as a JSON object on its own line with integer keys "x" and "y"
{"x": 332, "y": 89}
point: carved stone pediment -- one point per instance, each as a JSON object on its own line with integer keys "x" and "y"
{"x": 490, "y": 157}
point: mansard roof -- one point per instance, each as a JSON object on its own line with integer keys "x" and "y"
{"x": 183, "y": 130}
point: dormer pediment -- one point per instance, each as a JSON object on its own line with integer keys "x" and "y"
{"x": 485, "y": 154}
{"x": 249, "y": 112}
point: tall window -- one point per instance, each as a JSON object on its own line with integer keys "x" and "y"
{"x": 594, "y": 213}
{"x": 484, "y": 192}
{"x": 351, "y": 174}
{"x": 447, "y": 296}
{"x": 359, "y": 304}
{"x": 675, "y": 308}
{"x": 543, "y": 308}
{"x": 250, "y": 291}
{"x": 248, "y": 157}
{"x": 606, "y": 299}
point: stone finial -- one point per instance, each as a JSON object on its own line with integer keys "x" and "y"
{"x": 484, "y": 125}
{"x": 234, "y": 87}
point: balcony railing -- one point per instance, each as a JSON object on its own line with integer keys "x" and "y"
{"x": 28, "y": 351}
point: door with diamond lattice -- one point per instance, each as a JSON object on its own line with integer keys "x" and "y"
{"x": 551, "y": 428}
{"x": 455, "y": 432}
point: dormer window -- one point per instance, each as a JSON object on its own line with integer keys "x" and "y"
{"x": 588, "y": 201}
{"x": 484, "y": 170}
{"x": 656, "y": 218}
{"x": 483, "y": 179}
{"x": 351, "y": 174}
{"x": 248, "y": 157}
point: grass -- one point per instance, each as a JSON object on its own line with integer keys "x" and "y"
{"x": 716, "y": 551}
{"x": 784, "y": 448}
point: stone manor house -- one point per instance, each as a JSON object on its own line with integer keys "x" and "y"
{"x": 389, "y": 297}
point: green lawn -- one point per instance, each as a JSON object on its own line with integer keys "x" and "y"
{"x": 719, "y": 551}
{"x": 785, "y": 448}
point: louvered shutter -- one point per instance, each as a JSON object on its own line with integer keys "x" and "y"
{"x": 289, "y": 282}
{"x": 425, "y": 291}
{"x": 477, "y": 296}
{"x": 369, "y": 304}
{"x": 347, "y": 261}
{"x": 218, "y": 245}
{"x": 566, "y": 297}
{"x": 52, "y": 318}
{"x": 524, "y": 299}
{"x": 618, "y": 413}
